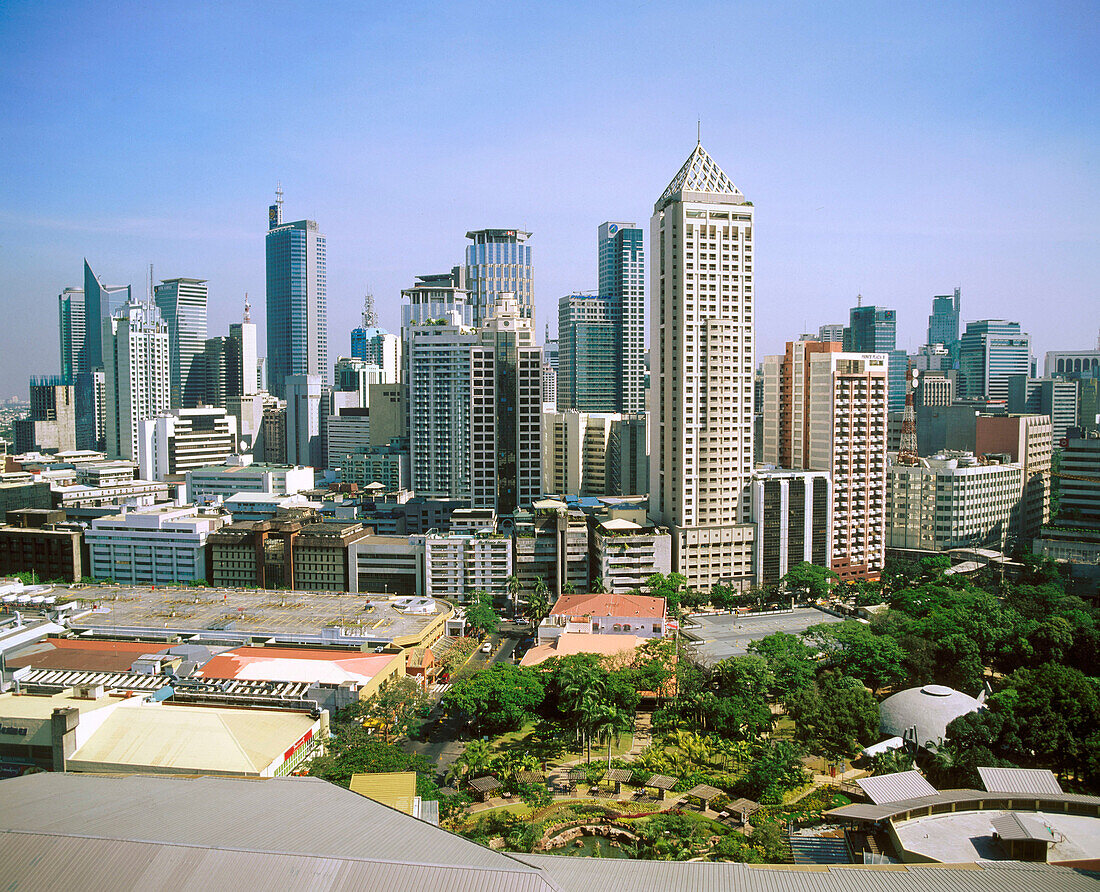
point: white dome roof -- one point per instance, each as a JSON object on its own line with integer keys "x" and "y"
{"x": 931, "y": 708}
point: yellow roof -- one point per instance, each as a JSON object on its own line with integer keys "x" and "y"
{"x": 190, "y": 739}
{"x": 397, "y": 789}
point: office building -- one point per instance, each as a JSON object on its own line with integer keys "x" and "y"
{"x": 37, "y": 541}
{"x": 1026, "y": 440}
{"x": 702, "y": 373}
{"x": 475, "y": 400}
{"x": 182, "y": 305}
{"x": 786, "y": 404}
{"x": 273, "y": 434}
{"x": 389, "y": 413}
{"x": 70, "y": 326}
{"x": 355, "y": 375}
{"x": 1079, "y": 471}
{"x": 386, "y": 465}
{"x": 943, "y": 324}
{"x": 375, "y": 345}
{"x": 1045, "y": 396}
{"x": 1072, "y": 363}
{"x": 622, "y": 280}
{"x": 101, "y": 302}
{"x": 990, "y": 351}
{"x": 347, "y": 432}
{"x": 792, "y": 511}
{"x": 950, "y": 500}
{"x": 51, "y": 425}
{"x": 297, "y": 319}
{"x": 933, "y": 358}
{"x": 151, "y": 546}
{"x": 458, "y": 565}
{"x": 499, "y": 262}
{"x": 625, "y": 554}
{"x": 185, "y": 439}
{"x": 934, "y": 389}
{"x": 874, "y": 330}
{"x": 831, "y": 331}
{"x": 239, "y": 473}
{"x": 137, "y": 381}
{"x": 303, "y": 421}
{"x": 589, "y": 354}
{"x": 549, "y": 369}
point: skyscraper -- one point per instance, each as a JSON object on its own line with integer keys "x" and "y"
{"x": 297, "y": 320}
{"x": 101, "y": 302}
{"x": 589, "y": 354}
{"x": 376, "y": 345}
{"x": 70, "y": 326}
{"x": 701, "y": 338}
{"x": 138, "y": 377}
{"x": 498, "y": 261}
{"x": 943, "y": 324}
{"x": 875, "y": 330}
{"x": 990, "y": 351}
{"x": 622, "y": 279}
{"x": 182, "y": 305}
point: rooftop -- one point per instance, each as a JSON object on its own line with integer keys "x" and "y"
{"x": 569, "y": 643}
{"x": 610, "y": 605}
{"x": 322, "y": 665}
{"x": 724, "y": 635}
{"x": 239, "y": 615}
{"x": 84, "y": 653}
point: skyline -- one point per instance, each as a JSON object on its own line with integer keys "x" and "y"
{"x": 896, "y": 154}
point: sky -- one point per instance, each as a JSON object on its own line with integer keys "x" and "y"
{"x": 894, "y": 150}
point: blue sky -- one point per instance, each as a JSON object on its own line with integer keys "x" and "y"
{"x": 896, "y": 150}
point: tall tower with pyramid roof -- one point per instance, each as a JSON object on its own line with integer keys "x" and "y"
{"x": 701, "y": 342}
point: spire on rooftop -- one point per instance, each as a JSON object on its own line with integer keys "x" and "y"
{"x": 700, "y": 174}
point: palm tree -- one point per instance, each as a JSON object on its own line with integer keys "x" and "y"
{"x": 473, "y": 761}
{"x": 598, "y": 586}
{"x": 582, "y": 697}
{"x": 538, "y": 605}
{"x": 513, "y": 591}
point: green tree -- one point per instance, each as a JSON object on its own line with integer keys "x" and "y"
{"x": 397, "y": 706}
{"x": 473, "y": 762}
{"x": 834, "y": 716}
{"x": 853, "y": 649}
{"x": 480, "y": 616}
{"x": 355, "y": 750}
{"x": 538, "y": 602}
{"x": 514, "y": 587}
{"x": 790, "y": 661}
{"x": 809, "y": 580}
{"x": 498, "y": 699}
{"x": 776, "y": 768}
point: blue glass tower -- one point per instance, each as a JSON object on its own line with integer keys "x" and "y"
{"x": 297, "y": 322}
{"x": 101, "y": 302}
{"x": 622, "y": 280}
{"x": 875, "y": 330}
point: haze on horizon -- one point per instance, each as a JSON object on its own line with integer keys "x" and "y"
{"x": 891, "y": 150}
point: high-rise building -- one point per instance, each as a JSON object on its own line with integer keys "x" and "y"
{"x": 622, "y": 279}
{"x": 701, "y": 338}
{"x": 1072, "y": 363}
{"x": 875, "y": 330}
{"x": 831, "y": 331}
{"x": 943, "y": 324}
{"x": 303, "y": 421}
{"x": 628, "y": 456}
{"x": 990, "y": 351}
{"x": 51, "y": 425}
{"x": 1026, "y": 439}
{"x": 182, "y": 304}
{"x": 793, "y": 515}
{"x": 91, "y": 410}
{"x": 498, "y": 262}
{"x": 70, "y": 326}
{"x": 297, "y": 320}
{"x": 589, "y": 354}
{"x": 575, "y": 455}
{"x": 829, "y": 411}
{"x": 137, "y": 374}
{"x": 475, "y": 410}
{"x": 101, "y": 302}
{"x": 550, "y": 369}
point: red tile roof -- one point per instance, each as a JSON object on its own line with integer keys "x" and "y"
{"x": 609, "y": 605}
{"x": 86, "y": 654}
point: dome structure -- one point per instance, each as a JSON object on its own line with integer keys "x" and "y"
{"x": 930, "y": 708}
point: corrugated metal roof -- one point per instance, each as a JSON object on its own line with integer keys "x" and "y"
{"x": 861, "y": 811}
{"x": 397, "y": 789}
{"x": 294, "y": 815}
{"x": 1014, "y": 826}
{"x": 1019, "y": 780}
{"x": 895, "y": 787}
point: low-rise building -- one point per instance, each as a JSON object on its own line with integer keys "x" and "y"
{"x": 257, "y": 506}
{"x": 152, "y": 546}
{"x": 387, "y": 465}
{"x": 240, "y": 474}
{"x": 459, "y": 565}
{"x": 640, "y": 615}
{"x": 35, "y": 540}
{"x": 951, "y": 500}
{"x": 389, "y": 565}
{"x": 625, "y": 554}
{"x": 792, "y": 511}
{"x": 551, "y": 544}
{"x": 184, "y": 440}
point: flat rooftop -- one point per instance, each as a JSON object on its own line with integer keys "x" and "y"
{"x": 239, "y": 615}
{"x": 968, "y": 836}
{"x": 721, "y": 636}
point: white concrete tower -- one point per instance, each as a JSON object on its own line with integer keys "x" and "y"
{"x": 701, "y": 341}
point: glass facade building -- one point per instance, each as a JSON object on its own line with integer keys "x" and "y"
{"x": 943, "y": 324}
{"x": 499, "y": 261}
{"x": 297, "y": 322}
{"x": 875, "y": 330}
{"x": 182, "y": 305}
{"x": 622, "y": 280}
{"x": 101, "y": 302}
{"x": 70, "y": 327}
{"x": 589, "y": 354}
{"x": 990, "y": 351}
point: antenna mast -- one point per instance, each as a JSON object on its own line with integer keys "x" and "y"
{"x": 150, "y": 283}
{"x": 247, "y": 309}
{"x": 907, "y": 455}
{"x": 370, "y": 317}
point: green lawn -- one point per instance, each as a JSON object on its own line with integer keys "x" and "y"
{"x": 555, "y": 752}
